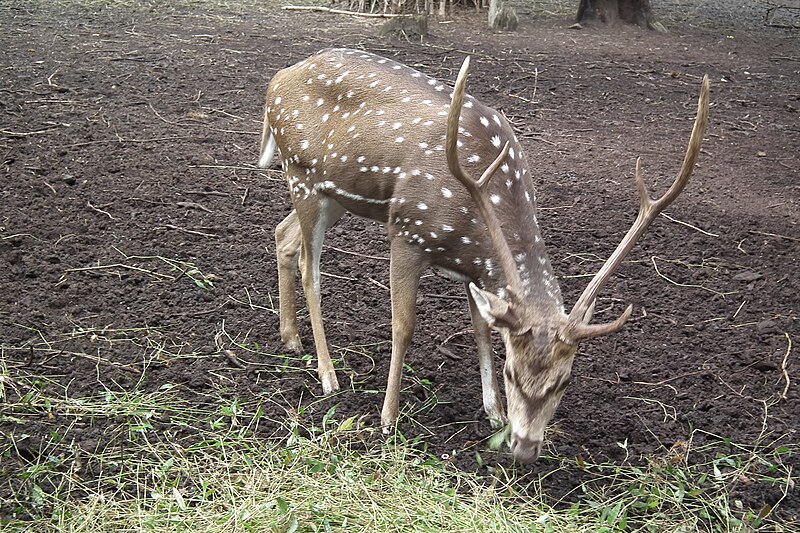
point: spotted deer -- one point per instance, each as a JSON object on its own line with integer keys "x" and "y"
{"x": 363, "y": 134}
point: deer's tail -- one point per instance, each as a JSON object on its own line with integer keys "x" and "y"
{"x": 267, "y": 144}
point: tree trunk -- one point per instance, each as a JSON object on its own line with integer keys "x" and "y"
{"x": 610, "y": 11}
{"x": 502, "y": 16}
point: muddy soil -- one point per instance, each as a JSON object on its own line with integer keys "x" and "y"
{"x": 129, "y": 137}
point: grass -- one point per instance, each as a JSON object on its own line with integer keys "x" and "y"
{"x": 160, "y": 462}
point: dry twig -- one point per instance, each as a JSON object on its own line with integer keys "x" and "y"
{"x": 343, "y": 12}
{"x": 449, "y": 354}
{"x": 193, "y": 205}
{"x": 229, "y": 355}
{"x": 336, "y": 276}
{"x": 348, "y": 252}
{"x": 379, "y": 284}
{"x": 230, "y": 167}
{"x": 26, "y": 133}
{"x": 688, "y": 225}
{"x": 466, "y": 331}
{"x": 783, "y": 366}
{"x": 687, "y": 285}
{"x": 775, "y": 235}
{"x": 118, "y": 265}
{"x": 122, "y": 140}
{"x": 189, "y": 231}
{"x": 89, "y": 204}
{"x": 208, "y": 193}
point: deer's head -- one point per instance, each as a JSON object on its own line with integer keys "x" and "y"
{"x": 540, "y": 346}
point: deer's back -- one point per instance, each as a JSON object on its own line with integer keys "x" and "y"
{"x": 370, "y": 132}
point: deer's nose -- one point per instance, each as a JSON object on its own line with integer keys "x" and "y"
{"x": 525, "y": 450}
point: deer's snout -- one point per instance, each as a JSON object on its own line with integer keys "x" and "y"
{"x": 525, "y": 450}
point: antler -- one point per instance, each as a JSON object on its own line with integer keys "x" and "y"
{"x": 477, "y": 189}
{"x": 577, "y": 326}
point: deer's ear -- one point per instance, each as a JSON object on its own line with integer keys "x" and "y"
{"x": 496, "y": 311}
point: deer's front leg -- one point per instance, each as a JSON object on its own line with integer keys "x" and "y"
{"x": 492, "y": 404}
{"x": 287, "y": 247}
{"x": 405, "y": 269}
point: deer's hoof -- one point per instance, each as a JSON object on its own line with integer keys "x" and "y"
{"x": 497, "y": 418}
{"x": 293, "y": 343}
{"x": 388, "y": 423}
{"x": 329, "y": 382}
{"x": 494, "y": 411}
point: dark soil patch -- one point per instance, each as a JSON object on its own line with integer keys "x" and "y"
{"x": 131, "y": 134}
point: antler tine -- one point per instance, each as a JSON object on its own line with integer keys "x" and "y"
{"x": 649, "y": 209}
{"x": 477, "y": 188}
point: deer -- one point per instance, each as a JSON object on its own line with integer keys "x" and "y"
{"x": 364, "y": 134}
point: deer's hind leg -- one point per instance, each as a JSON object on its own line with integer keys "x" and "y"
{"x": 314, "y": 214}
{"x": 288, "y": 241}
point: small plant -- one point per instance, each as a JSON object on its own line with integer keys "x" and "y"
{"x": 199, "y": 279}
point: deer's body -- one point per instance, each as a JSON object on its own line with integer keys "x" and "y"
{"x": 360, "y": 133}
{"x": 374, "y": 132}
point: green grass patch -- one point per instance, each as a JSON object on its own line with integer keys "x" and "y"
{"x": 160, "y": 463}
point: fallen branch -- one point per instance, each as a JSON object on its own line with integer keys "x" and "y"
{"x": 344, "y": 12}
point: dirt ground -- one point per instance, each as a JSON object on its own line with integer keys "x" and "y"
{"x": 129, "y": 139}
